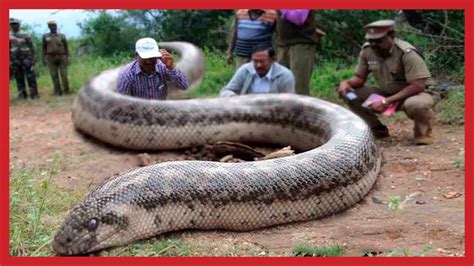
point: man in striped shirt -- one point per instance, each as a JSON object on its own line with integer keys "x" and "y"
{"x": 148, "y": 75}
{"x": 251, "y": 27}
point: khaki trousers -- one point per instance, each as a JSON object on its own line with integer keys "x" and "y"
{"x": 299, "y": 58}
{"x": 57, "y": 65}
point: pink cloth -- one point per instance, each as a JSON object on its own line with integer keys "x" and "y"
{"x": 295, "y": 16}
{"x": 377, "y": 98}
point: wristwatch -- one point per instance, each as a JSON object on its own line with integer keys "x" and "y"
{"x": 385, "y": 103}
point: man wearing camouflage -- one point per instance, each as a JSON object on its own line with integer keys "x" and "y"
{"x": 22, "y": 60}
{"x": 402, "y": 77}
{"x": 56, "y": 54}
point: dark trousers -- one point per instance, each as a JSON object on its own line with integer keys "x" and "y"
{"x": 22, "y": 71}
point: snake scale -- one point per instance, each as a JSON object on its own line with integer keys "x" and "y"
{"x": 337, "y": 166}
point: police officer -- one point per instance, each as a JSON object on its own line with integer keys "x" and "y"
{"x": 22, "y": 60}
{"x": 56, "y": 54}
{"x": 402, "y": 77}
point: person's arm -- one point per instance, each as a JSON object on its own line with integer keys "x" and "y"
{"x": 66, "y": 48}
{"x": 32, "y": 49}
{"x": 43, "y": 54}
{"x": 416, "y": 72}
{"x": 358, "y": 80}
{"x": 352, "y": 83}
{"x": 414, "y": 87}
{"x": 234, "y": 87}
{"x": 233, "y": 40}
{"x": 177, "y": 78}
{"x": 173, "y": 74}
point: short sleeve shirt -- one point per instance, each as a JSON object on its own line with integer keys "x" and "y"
{"x": 393, "y": 73}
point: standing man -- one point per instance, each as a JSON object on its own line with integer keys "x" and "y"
{"x": 251, "y": 27}
{"x": 262, "y": 75}
{"x": 148, "y": 75}
{"x": 56, "y": 54}
{"x": 297, "y": 42}
{"x": 22, "y": 60}
{"x": 402, "y": 77}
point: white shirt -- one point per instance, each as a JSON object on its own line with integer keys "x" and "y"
{"x": 262, "y": 84}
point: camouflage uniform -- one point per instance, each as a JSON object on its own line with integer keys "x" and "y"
{"x": 56, "y": 53}
{"x": 22, "y": 62}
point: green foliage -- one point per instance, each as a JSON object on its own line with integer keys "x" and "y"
{"x": 218, "y": 74}
{"x": 307, "y": 250}
{"x": 459, "y": 164}
{"x": 166, "y": 247}
{"x": 326, "y": 77}
{"x": 110, "y": 34}
{"x": 444, "y": 48}
{"x": 394, "y": 202}
{"x": 36, "y": 208}
{"x": 345, "y": 31}
{"x": 451, "y": 109}
{"x": 204, "y": 28}
{"x": 404, "y": 252}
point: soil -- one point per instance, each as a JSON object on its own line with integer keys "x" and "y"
{"x": 431, "y": 178}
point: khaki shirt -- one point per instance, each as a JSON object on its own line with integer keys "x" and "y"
{"x": 55, "y": 44}
{"x": 393, "y": 73}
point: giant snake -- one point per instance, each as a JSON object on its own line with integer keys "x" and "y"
{"x": 337, "y": 166}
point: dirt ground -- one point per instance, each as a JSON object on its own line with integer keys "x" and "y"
{"x": 431, "y": 219}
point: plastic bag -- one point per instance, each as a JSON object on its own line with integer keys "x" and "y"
{"x": 295, "y": 16}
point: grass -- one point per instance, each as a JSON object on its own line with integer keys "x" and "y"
{"x": 404, "y": 252}
{"x": 37, "y": 207}
{"x": 394, "y": 202}
{"x": 451, "y": 109}
{"x": 307, "y": 250}
{"x": 166, "y": 247}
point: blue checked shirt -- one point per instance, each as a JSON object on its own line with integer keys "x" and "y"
{"x": 134, "y": 82}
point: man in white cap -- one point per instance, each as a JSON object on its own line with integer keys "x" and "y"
{"x": 403, "y": 80}
{"x": 147, "y": 76}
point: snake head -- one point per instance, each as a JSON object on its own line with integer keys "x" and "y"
{"x": 78, "y": 232}
{"x": 88, "y": 227}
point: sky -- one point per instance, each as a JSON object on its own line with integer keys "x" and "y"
{"x": 66, "y": 19}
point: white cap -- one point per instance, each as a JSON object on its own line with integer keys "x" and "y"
{"x": 147, "y": 48}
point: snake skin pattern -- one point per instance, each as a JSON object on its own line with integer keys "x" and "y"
{"x": 336, "y": 167}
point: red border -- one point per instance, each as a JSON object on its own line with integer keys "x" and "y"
{"x": 6, "y": 5}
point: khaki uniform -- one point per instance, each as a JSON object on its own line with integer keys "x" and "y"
{"x": 56, "y": 53}
{"x": 392, "y": 75}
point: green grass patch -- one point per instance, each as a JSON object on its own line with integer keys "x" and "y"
{"x": 459, "y": 164}
{"x": 307, "y": 250}
{"x": 326, "y": 77}
{"x": 166, "y": 247}
{"x": 218, "y": 74}
{"x": 404, "y": 252}
{"x": 37, "y": 208}
{"x": 451, "y": 109}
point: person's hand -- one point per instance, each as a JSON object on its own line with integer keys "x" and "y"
{"x": 167, "y": 59}
{"x": 378, "y": 107}
{"x": 230, "y": 58}
{"x": 343, "y": 88}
